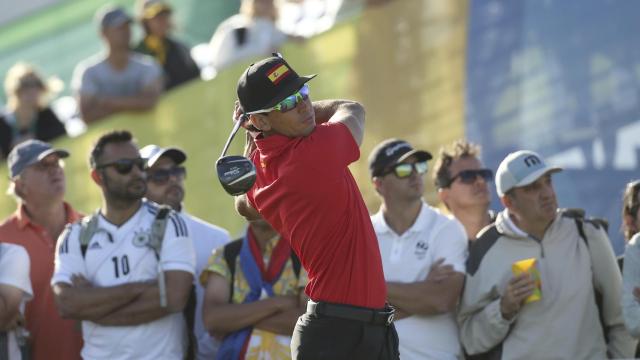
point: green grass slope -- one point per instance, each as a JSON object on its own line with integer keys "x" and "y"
{"x": 404, "y": 61}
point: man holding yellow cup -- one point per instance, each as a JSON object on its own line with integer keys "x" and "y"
{"x": 533, "y": 276}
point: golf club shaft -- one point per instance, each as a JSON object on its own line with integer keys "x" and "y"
{"x": 233, "y": 133}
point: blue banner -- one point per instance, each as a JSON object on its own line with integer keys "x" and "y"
{"x": 561, "y": 78}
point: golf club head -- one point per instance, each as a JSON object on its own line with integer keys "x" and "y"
{"x": 236, "y": 173}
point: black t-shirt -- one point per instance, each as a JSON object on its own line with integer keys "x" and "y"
{"x": 47, "y": 127}
{"x": 178, "y": 65}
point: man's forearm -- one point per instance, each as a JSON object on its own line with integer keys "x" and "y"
{"x": 144, "y": 309}
{"x": 147, "y": 307}
{"x": 226, "y": 318}
{"x": 426, "y": 297}
{"x": 280, "y": 323}
{"x": 91, "y": 303}
{"x": 133, "y": 103}
{"x": 325, "y": 109}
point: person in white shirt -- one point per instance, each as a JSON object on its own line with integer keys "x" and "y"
{"x": 15, "y": 291}
{"x": 112, "y": 283}
{"x": 165, "y": 185}
{"x": 423, "y": 254}
{"x": 250, "y": 33}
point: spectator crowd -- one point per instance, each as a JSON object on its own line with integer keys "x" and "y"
{"x": 314, "y": 276}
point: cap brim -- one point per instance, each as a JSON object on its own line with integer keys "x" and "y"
{"x": 175, "y": 154}
{"x": 155, "y": 10}
{"x": 538, "y": 174}
{"x": 60, "y": 152}
{"x": 117, "y": 22}
{"x": 421, "y": 155}
{"x": 288, "y": 90}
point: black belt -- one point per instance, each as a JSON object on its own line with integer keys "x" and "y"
{"x": 370, "y": 316}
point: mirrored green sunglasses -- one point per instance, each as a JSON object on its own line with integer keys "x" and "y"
{"x": 289, "y": 103}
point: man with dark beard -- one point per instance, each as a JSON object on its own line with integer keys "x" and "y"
{"x": 110, "y": 281}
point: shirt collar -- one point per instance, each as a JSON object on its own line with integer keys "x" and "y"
{"x": 24, "y": 219}
{"x": 380, "y": 224}
{"x": 509, "y": 224}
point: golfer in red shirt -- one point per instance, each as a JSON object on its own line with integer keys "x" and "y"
{"x": 305, "y": 190}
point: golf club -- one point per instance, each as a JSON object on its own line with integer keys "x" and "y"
{"x": 236, "y": 173}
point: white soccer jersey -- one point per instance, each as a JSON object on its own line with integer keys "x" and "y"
{"x": 119, "y": 255}
{"x": 14, "y": 271}
{"x": 408, "y": 258}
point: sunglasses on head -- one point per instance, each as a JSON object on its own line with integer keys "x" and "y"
{"x": 162, "y": 176}
{"x": 632, "y": 203}
{"x": 290, "y": 102}
{"x": 31, "y": 83}
{"x": 124, "y": 166}
{"x": 404, "y": 170}
{"x": 469, "y": 176}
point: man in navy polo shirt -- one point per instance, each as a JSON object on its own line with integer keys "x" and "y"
{"x": 305, "y": 190}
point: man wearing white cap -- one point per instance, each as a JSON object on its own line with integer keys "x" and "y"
{"x": 568, "y": 306}
{"x": 165, "y": 185}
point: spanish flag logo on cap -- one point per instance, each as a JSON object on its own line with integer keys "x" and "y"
{"x": 278, "y": 73}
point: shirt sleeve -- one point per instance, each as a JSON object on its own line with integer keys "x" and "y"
{"x": 332, "y": 146}
{"x": 84, "y": 81}
{"x": 69, "y": 260}
{"x": 153, "y": 71}
{"x": 480, "y": 320}
{"x": 451, "y": 244}
{"x": 216, "y": 264}
{"x": 177, "y": 248}
{"x": 14, "y": 268}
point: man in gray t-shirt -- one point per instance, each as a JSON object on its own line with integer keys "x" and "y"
{"x": 118, "y": 80}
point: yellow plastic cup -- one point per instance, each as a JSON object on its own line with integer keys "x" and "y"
{"x": 529, "y": 266}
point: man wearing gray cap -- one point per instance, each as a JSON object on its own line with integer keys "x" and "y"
{"x": 37, "y": 181}
{"x": 165, "y": 185}
{"x": 118, "y": 80}
{"x": 541, "y": 283}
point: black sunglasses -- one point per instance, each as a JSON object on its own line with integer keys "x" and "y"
{"x": 124, "y": 166}
{"x": 161, "y": 176}
{"x": 469, "y": 176}
{"x": 404, "y": 170}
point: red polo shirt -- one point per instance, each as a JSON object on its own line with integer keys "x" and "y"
{"x": 52, "y": 337}
{"x": 305, "y": 190}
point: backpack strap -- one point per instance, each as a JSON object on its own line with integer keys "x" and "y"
{"x": 88, "y": 228}
{"x": 578, "y": 216}
{"x": 231, "y": 252}
{"x": 158, "y": 228}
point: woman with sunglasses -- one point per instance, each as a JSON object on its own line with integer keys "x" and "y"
{"x": 631, "y": 269}
{"x": 27, "y": 114}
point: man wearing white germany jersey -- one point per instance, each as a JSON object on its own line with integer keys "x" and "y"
{"x": 112, "y": 283}
{"x": 423, "y": 254}
{"x": 165, "y": 185}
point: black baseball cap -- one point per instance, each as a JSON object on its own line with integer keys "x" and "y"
{"x": 391, "y": 152}
{"x": 267, "y": 82}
